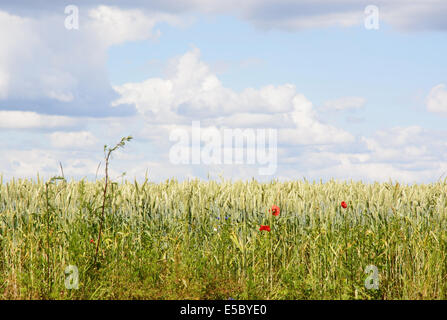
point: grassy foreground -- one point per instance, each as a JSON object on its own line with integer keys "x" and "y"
{"x": 201, "y": 240}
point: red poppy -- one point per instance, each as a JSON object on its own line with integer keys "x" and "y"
{"x": 92, "y": 241}
{"x": 274, "y": 210}
{"x": 344, "y": 204}
{"x": 264, "y": 228}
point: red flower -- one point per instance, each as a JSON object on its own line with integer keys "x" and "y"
{"x": 274, "y": 210}
{"x": 344, "y": 204}
{"x": 264, "y": 228}
{"x": 92, "y": 241}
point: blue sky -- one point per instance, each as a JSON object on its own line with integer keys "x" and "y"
{"x": 371, "y": 104}
{"x": 393, "y": 70}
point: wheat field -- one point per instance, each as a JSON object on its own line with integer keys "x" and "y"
{"x": 202, "y": 240}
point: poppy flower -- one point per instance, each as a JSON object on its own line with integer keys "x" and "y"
{"x": 274, "y": 210}
{"x": 264, "y": 228}
{"x": 92, "y": 241}
{"x": 344, "y": 204}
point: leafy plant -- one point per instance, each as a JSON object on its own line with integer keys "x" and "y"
{"x": 107, "y": 154}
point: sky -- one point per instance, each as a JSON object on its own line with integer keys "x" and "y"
{"x": 353, "y": 90}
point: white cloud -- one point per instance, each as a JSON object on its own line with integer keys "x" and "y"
{"x": 407, "y": 154}
{"x": 63, "y": 66}
{"x": 302, "y": 14}
{"x": 283, "y": 14}
{"x": 318, "y": 20}
{"x": 345, "y": 103}
{"x": 32, "y": 120}
{"x": 48, "y": 68}
{"x": 400, "y": 136}
{"x": 70, "y": 140}
{"x": 437, "y": 99}
{"x": 193, "y": 92}
{"x": 16, "y": 63}
{"x": 113, "y": 25}
{"x": 4, "y": 84}
{"x": 193, "y": 89}
{"x": 29, "y": 163}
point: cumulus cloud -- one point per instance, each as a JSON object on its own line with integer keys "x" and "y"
{"x": 27, "y": 163}
{"x": 302, "y": 14}
{"x": 345, "y": 103}
{"x": 47, "y": 68}
{"x": 408, "y": 154}
{"x": 193, "y": 92}
{"x": 71, "y": 140}
{"x": 437, "y": 99}
{"x": 45, "y": 162}
{"x": 59, "y": 68}
{"x": 33, "y": 120}
{"x": 282, "y": 14}
{"x": 113, "y": 25}
{"x": 64, "y": 72}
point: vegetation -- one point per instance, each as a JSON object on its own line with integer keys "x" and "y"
{"x": 202, "y": 239}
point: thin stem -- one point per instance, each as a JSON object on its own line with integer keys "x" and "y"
{"x": 107, "y": 153}
{"x": 48, "y": 235}
{"x": 103, "y": 207}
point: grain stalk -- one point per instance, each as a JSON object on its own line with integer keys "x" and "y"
{"x": 49, "y": 209}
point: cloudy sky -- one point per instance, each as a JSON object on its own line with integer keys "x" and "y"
{"x": 347, "y": 101}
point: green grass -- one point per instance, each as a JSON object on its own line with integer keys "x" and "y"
{"x": 159, "y": 240}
